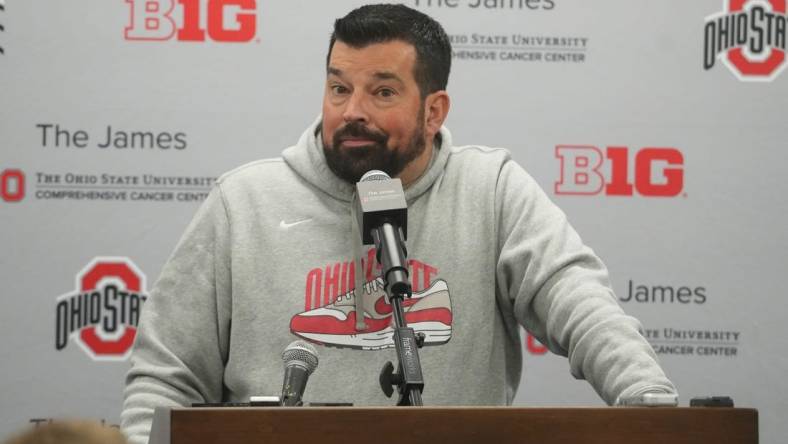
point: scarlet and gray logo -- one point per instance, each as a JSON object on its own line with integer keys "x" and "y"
{"x": 192, "y": 20}
{"x": 658, "y": 172}
{"x": 102, "y": 313}
{"x": 12, "y": 185}
{"x": 749, "y": 36}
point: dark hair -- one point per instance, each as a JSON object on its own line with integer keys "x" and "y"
{"x": 383, "y": 23}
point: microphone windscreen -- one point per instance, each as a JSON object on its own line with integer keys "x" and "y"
{"x": 303, "y": 353}
{"x": 374, "y": 175}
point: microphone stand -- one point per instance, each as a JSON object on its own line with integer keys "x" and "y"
{"x": 391, "y": 255}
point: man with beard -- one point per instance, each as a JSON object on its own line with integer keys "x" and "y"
{"x": 274, "y": 254}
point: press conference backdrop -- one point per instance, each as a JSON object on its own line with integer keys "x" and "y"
{"x": 659, "y": 127}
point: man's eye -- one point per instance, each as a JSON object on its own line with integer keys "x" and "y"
{"x": 338, "y": 89}
{"x": 386, "y": 92}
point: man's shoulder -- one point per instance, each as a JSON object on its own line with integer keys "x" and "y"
{"x": 479, "y": 150}
{"x": 262, "y": 173}
{"x": 478, "y": 157}
{"x": 255, "y": 170}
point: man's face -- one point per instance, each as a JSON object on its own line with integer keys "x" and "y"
{"x": 373, "y": 115}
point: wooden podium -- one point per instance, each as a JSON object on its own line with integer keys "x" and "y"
{"x": 455, "y": 425}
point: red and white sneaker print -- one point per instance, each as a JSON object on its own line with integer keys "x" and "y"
{"x": 428, "y": 312}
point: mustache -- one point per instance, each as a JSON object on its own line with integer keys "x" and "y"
{"x": 358, "y": 130}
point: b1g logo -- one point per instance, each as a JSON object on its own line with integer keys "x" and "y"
{"x": 749, "y": 36}
{"x": 192, "y": 20}
{"x": 658, "y": 172}
{"x": 102, "y": 313}
{"x": 12, "y": 185}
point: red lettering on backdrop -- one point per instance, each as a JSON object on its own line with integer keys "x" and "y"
{"x": 191, "y": 31}
{"x": 149, "y": 20}
{"x": 580, "y": 171}
{"x": 153, "y": 20}
{"x": 674, "y": 177}
{"x": 247, "y": 21}
{"x": 619, "y": 185}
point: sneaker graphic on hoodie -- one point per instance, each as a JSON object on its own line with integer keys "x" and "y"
{"x": 333, "y": 325}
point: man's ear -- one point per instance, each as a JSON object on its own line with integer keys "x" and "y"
{"x": 436, "y": 110}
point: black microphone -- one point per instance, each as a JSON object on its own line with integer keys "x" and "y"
{"x": 383, "y": 220}
{"x": 380, "y": 199}
{"x": 300, "y": 361}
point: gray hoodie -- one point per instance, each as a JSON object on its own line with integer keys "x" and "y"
{"x": 269, "y": 258}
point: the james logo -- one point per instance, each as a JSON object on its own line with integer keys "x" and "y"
{"x": 192, "y": 20}
{"x": 101, "y": 315}
{"x": 749, "y": 36}
{"x": 658, "y": 172}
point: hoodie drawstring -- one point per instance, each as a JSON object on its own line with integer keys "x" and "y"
{"x": 355, "y": 239}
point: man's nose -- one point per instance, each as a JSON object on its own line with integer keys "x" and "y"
{"x": 355, "y": 108}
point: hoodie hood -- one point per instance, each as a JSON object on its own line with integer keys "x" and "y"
{"x": 307, "y": 159}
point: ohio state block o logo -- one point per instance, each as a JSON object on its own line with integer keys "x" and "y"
{"x": 102, "y": 314}
{"x": 749, "y": 37}
{"x": 775, "y": 58}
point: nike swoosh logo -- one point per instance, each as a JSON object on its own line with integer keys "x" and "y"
{"x": 383, "y": 308}
{"x": 284, "y": 225}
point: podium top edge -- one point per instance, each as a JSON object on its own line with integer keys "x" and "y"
{"x": 530, "y": 409}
